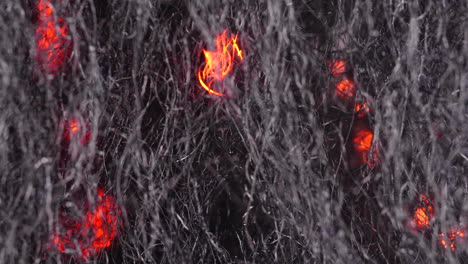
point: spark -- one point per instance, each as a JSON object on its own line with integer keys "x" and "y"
{"x": 73, "y": 129}
{"x": 450, "y": 239}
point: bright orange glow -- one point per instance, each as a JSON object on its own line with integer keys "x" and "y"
{"x": 93, "y": 233}
{"x": 219, "y": 63}
{"x": 363, "y": 140}
{"x": 73, "y": 129}
{"x": 361, "y": 109}
{"x": 346, "y": 89}
{"x": 52, "y": 44}
{"x": 337, "y": 67}
{"x": 453, "y": 236}
{"x": 362, "y": 145}
{"x": 423, "y": 214}
{"x": 421, "y": 218}
{"x": 45, "y": 10}
{"x": 74, "y": 126}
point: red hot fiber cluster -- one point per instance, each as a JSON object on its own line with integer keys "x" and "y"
{"x": 91, "y": 234}
{"x": 53, "y": 44}
{"x": 364, "y": 148}
{"x": 219, "y": 63}
{"x": 94, "y": 231}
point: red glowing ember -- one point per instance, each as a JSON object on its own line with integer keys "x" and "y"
{"x": 52, "y": 43}
{"x": 91, "y": 234}
{"x": 219, "y": 63}
{"x": 337, "y": 67}
{"x": 451, "y": 238}
{"x": 361, "y": 109}
{"x": 423, "y": 214}
{"x": 362, "y": 145}
{"x": 74, "y": 130}
{"x": 346, "y": 89}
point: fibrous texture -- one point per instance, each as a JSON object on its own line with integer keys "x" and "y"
{"x": 233, "y": 131}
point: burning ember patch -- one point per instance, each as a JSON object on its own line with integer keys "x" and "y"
{"x": 52, "y": 43}
{"x": 423, "y": 214}
{"x": 361, "y": 109}
{"x": 74, "y": 130}
{"x": 451, "y": 238}
{"x": 362, "y": 146}
{"x": 219, "y": 63}
{"x": 91, "y": 234}
{"x": 346, "y": 89}
{"x": 337, "y": 67}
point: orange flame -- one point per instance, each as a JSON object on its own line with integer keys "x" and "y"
{"x": 346, "y": 89}
{"x": 362, "y": 145}
{"x": 95, "y": 233}
{"x": 337, "y": 67}
{"x": 423, "y": 214}
{"x": 450, "y": 240}
{"x": 52, "y": 44}
{"x": 219, "y": 63}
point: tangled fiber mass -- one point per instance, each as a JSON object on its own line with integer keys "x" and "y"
{"x": 222, "y": 131}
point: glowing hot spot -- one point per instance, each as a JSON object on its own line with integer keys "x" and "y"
{"x": 346, "y": 89}
{"x": 74, "y": 126}
{"x": 453, "y": 236}
{"x": 423, "y": 214}
{"x": 219, "y": 63}
{"x": 337, "y": 67}
{"x": 52, "y": 44}
{"x": 45, "y": 10}
{"x": 362, "y": 145}
{"x": 361, "y": 109}
{"x": 92, "y": 234}
{"x": 73, "y": 129}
